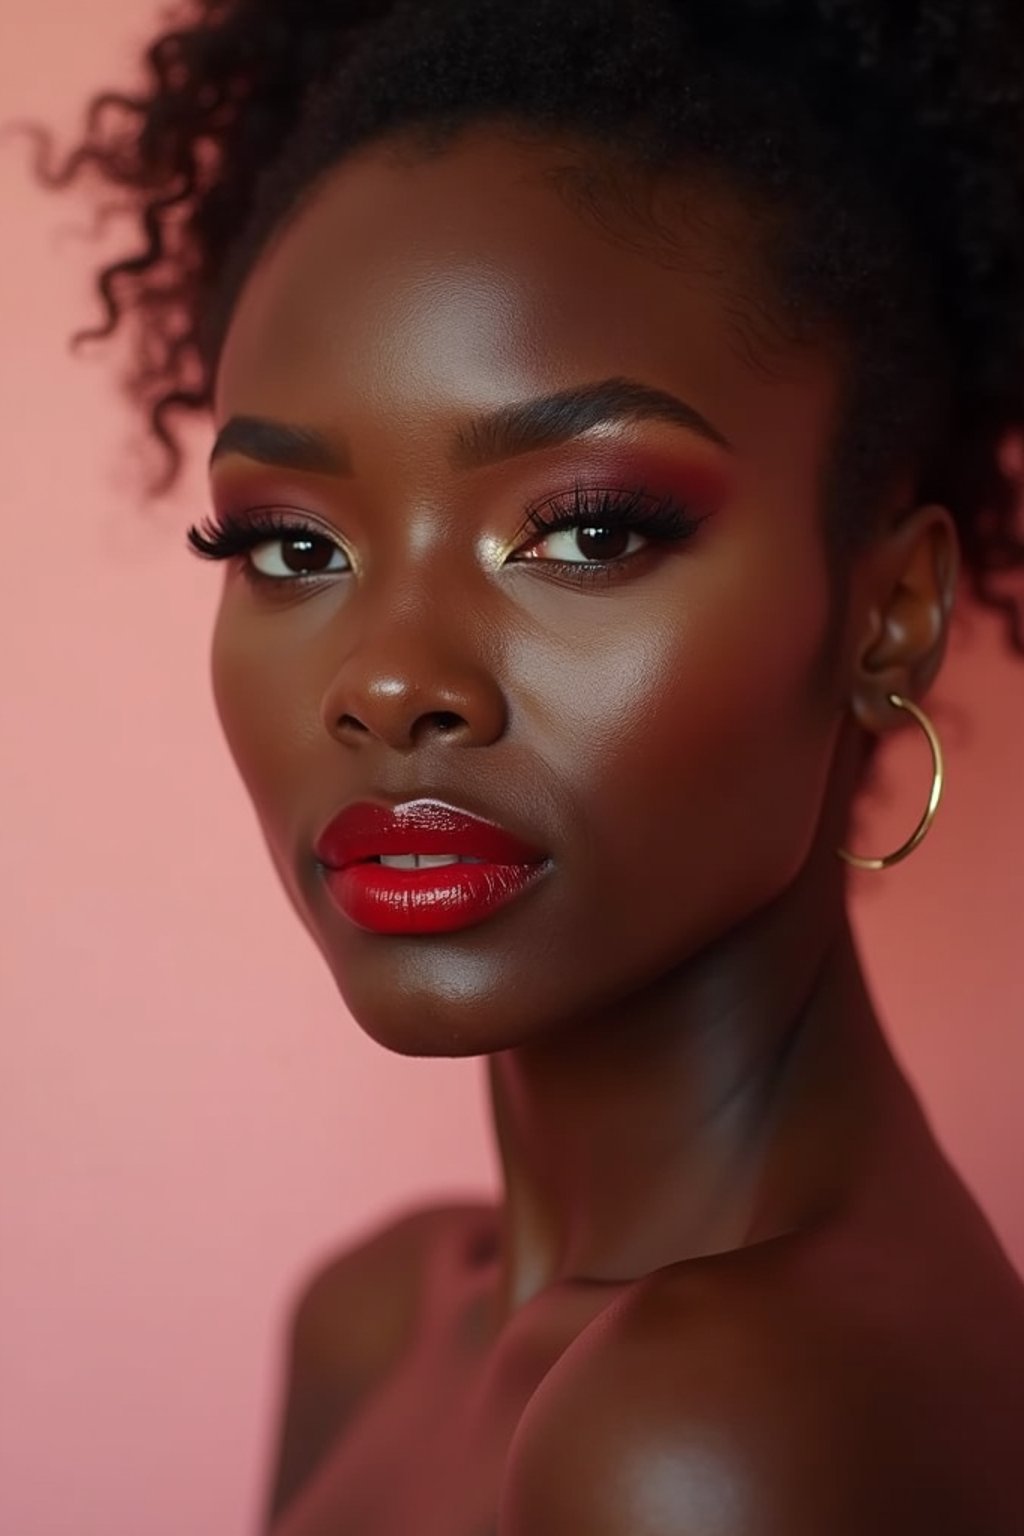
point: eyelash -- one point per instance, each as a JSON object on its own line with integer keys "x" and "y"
{"x": 660, "y": 518}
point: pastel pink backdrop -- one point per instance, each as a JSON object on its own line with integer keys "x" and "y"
{"x": 190, "y": 1120}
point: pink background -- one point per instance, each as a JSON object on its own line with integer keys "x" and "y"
{"x": 189, "y": 1118}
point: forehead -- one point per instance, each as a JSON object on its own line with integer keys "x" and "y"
{"x": 412, "y": 282}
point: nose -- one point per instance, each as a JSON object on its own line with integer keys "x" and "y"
{"x": 410, "y": 688}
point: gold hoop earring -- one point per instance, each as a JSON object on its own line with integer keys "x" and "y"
{"x": 933, "y": 800}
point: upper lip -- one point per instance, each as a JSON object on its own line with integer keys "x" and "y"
{"x": 365, "y": 828}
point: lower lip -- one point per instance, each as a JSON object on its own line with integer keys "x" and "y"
{"x": 437, "y": 900}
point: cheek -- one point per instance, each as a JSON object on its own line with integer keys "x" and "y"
{"x": 704, "y": 741}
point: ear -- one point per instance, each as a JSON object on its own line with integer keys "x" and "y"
{"x": 905, "y": 589}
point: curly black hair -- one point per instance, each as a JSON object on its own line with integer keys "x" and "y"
{"x": 881, "y": 143}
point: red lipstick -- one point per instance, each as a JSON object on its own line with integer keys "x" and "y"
{"x": 438, "y": 899}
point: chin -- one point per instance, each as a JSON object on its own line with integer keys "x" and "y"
{"x": 434, "y": 1027}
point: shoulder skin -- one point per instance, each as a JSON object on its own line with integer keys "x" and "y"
{"x": 714, "y": 1401}
{"x": 351, "y": 1321}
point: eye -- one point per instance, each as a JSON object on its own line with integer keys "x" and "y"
{"x": 580, "y": 545}
{"x": 297, "y": 553}
{"x": 600, "y": 529}
{"x": 275, "y": 549}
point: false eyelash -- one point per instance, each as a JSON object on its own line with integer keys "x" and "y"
{"x": 235, "y": 533}
{"x": 637, "y": 510}
{"x": 232, "y": 534}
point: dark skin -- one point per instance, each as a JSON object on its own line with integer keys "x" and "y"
{"x": 732, "y": 1287}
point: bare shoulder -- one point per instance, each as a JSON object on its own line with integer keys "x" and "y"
{"x": 351, "y": 1319}
{"x": 376, "y": 1283}
{"x": 751, "y": 1395}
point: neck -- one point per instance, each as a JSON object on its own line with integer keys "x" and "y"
{"x": 720, "y": 1106}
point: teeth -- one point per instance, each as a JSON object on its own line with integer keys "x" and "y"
{"x": 423, "y": 860}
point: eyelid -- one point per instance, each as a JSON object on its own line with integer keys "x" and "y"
{"x": 566, "y": 515}
{"x": 304, "y": 520}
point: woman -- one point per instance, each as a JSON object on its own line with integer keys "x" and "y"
{"x": 608, "y": 398}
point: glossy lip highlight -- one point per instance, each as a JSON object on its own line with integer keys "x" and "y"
{"x": 366, "y": 829}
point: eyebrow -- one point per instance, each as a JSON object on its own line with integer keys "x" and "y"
{"x": 494, "y": 435}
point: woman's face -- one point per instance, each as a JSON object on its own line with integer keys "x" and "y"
{"x": 655, "y": 716}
